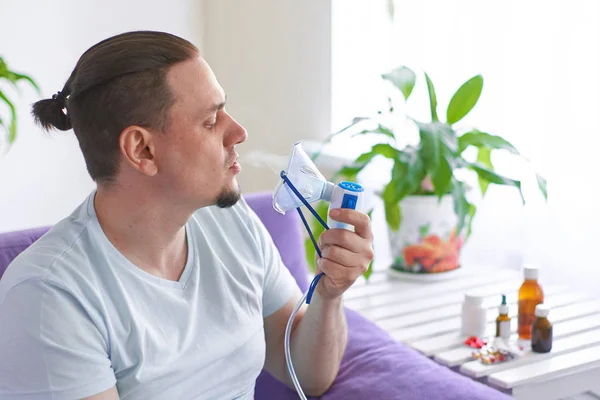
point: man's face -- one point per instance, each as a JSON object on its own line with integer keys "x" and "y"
{"x": 196, "y": 155}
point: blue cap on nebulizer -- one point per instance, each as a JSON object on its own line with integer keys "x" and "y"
{"x": 345, "y": 195}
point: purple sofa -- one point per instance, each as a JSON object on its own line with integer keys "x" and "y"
{"x": 374, "y": 365}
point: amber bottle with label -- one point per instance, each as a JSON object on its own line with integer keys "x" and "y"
{"x": 503, "y": 321}
{"x": 541, "y": 335}
{"x": 530, "y": 295}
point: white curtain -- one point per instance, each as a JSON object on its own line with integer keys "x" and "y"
{"x": 540, "y": 61}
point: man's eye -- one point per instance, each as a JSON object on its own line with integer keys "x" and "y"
{"x": 210, "y": 125}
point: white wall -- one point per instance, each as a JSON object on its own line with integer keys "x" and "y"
{"x": 43, "y": 177}
{"x": 272, "y": 57}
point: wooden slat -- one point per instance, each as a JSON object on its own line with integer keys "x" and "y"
{"x": 475, "y": 369}
{"x": 395, "y": 310}
{"x": 377, "y": 282}
{"x": 453, "y": 324}
{"x": 462, "y": 354}
{"x": 381, "y": 281}
{"x": 431, "y": 346}
{"x": 569, "y": 363}
{"x": 561, "y": 386}
{"x": 453, "y": 310}
{"x": 396, "y": 294}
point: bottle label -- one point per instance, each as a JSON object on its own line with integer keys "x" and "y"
{"x": 526, "y": 317}
{"x": 504, "y": 329}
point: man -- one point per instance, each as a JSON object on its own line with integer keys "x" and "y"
{"x": 163, "y": 283}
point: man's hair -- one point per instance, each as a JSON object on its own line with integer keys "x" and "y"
{"x": 119, "y": 82}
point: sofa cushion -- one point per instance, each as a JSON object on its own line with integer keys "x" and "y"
{"x": 13, "y": 243}
{"x": 375, "y": 366}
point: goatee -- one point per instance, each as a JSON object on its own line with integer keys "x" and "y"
{"x": 228, "y": 198}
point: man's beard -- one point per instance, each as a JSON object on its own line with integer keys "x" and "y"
{"x": 228, "y": 198}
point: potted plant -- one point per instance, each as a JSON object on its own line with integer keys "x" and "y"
{"x": 9, "y": 126}
{"x": 426, "y": 201}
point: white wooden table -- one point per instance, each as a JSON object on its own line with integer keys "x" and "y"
{"x": 426, "y": 316}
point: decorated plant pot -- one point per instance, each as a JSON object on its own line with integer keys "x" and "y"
{"x": 426, "y": 242}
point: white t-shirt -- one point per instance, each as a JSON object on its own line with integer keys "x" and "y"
{"x": 76, "y": 317}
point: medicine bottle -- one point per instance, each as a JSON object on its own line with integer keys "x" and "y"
{"x": 474, "y": 315}
{"x": 530, "y": 295}
{"x": 503, "y": 320}
{"x": 541, "y": 331}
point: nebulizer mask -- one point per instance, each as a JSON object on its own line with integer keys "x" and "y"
{"x": 302, "y": 185}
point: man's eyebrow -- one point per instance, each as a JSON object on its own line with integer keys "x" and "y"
{"x": 218, "y": 106}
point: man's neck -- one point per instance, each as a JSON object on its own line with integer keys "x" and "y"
{"x": 148, "y": 233}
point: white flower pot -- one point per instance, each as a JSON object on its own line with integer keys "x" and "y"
{"x": 426, "y": 242}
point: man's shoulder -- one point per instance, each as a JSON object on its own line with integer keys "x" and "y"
{"x": 47, "y": 259}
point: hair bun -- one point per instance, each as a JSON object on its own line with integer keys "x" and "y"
{"x": 60, "y": 98}
{"x": 49, "y": 113}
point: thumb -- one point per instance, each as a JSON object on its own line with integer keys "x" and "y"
{"x": 317, "y": 268}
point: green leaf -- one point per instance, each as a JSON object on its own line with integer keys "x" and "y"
{"x": 365, "y": 157}
{"x": 435, "y": 153}
{"x": 472, "y": 211}
{"x": 432, "y": 99}
{"x": 493, "y": 177}
{"x": 369, "y": 271}
{"x": 393, "y": 215}
{"x": 484, "y": 157}
{"x": 424, "y": 230}
{"x": 17, "y": 77}
{"x": 12, "y": 127}
{"x": 3, "y": 126}
{"x": 407, "y": 174}
{"x": 403, "y": 78}
{"x": 464, "y": 99}
{"x": 317, "y": 229}
{"x": 350, "y": 172}
{"x": 461, "y": 205}
{"x": 379, "y": 130}
{"x": 3, "y": 68}
{"x": 310, "y": 252}
{"x": 481, "y": 139}
{"x": 542, "y": 184}
{"x": 385, "y": 150}
{"x": 462, "y": 208}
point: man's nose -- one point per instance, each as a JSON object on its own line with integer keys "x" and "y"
{"x": 236, "y": 133}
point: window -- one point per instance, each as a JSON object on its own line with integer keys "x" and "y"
{"x": 541, "y": 66}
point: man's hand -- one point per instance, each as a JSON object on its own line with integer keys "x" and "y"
{"x": 346, "y": 254}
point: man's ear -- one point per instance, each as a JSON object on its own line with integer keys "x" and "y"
{"x": 137, "y": 148}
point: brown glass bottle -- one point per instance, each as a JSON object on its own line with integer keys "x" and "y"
{"x": 530, "y": 295}
{"x": 541, "y": 331}
{"x": 503, "y": 320}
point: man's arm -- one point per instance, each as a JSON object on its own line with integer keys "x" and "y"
{"x": 319, "y": 335}
{"x": 47, "y": 332}
{"x": 318, "y": 342}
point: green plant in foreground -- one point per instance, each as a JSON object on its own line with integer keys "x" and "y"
{"x": 430, "y": 166}
{"x": 12, "y": 77}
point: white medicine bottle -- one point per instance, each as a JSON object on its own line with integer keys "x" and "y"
{"x": 474, "y": 315}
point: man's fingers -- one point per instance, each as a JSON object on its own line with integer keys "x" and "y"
{"x": 342, "y": 237}
{"x": 341, "y": 276}
{"x": 360, "y": 221}
{"x": 341, "y": 255}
